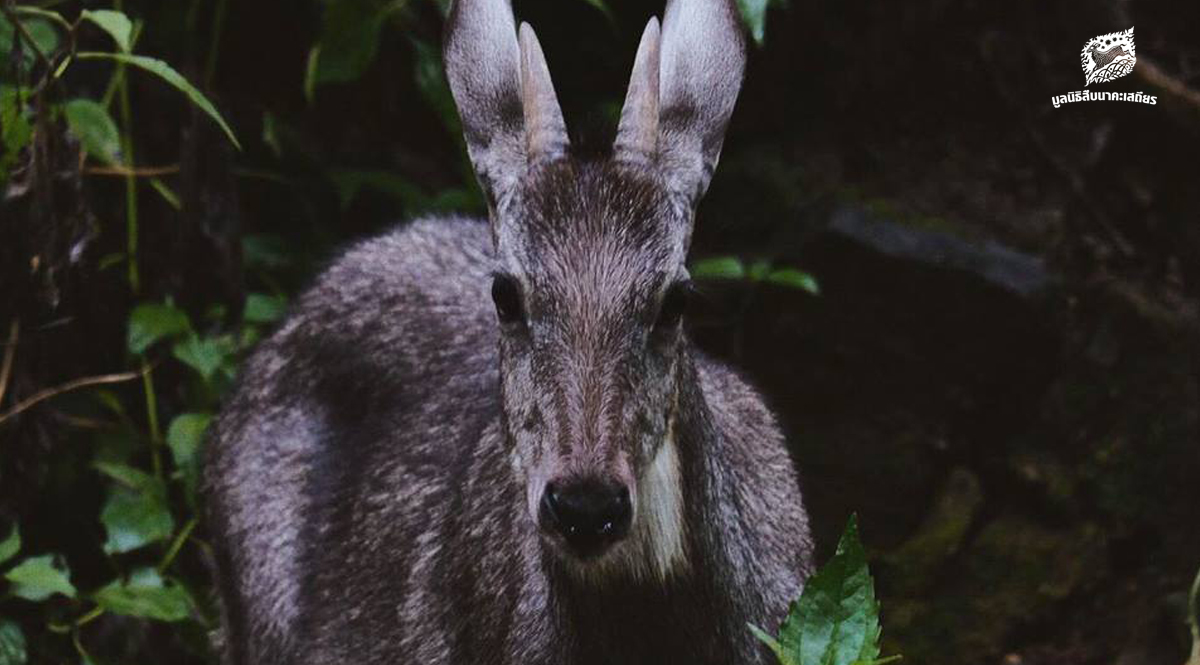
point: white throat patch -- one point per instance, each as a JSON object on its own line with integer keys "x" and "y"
{"x": 656, "y": 548}
{"x": 660, "y": 511}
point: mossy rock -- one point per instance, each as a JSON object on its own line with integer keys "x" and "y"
{"x": 1014, "y": 572}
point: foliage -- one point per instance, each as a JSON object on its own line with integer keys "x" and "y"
{"x": 754, "y": 14}
{"x": 733, "y": 268}
{"x": 87, "y": 73}
{"x": 1194, "y": 620}
{"x": 38, "y": 578}
{"x": 166, "y": 73}
{"x": 836, "y": 619}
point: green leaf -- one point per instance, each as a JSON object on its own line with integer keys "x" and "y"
{"x": 40, "y": 577}
{"x": 310, "y": 73}
{"x": 836, "y": 619}
{"x": 52, "y": 16}
{"x": 430, "y": 77}
{"x": 184, "y": 438}
{"x": 602, "y": 6}
{"x": 349, "y": 183}
{"x": 128, "y": 476}
{"x": 152, "y": 322}
{"x": 719, "y": 267}
{"x": 265, "y": 251}
{"x": 145, "y": 595}
{"x": 185, "y": 435}
{"x": 261, "y": 308}
{"x": 12, "y": 644}
{"x": 90, "y": 122}
{"x": 796, "y": 279}
{"x": 15, "y": 129}
{"x": 165, "y": 192}
{"x": 110, "y": 401}
{"x": 114, "y": 23}
{"x": 270, "y": 134}
{"x": 754, "y": 14}
{"x": 174, "y": 78}
{"x": 136, "y": 512}
{"x": 117, "y": 445}
{"x": 780, "y": 653}
{"x": 10, "y": 545}
{"x": 205, "y": 355}
{"x": 758, "y": 270}
{"x": 349, "y": 40}
{"x": 44, "y": 35}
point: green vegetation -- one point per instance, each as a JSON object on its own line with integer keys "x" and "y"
{"x": 173, "y": 172}
{"x": 836, "y": 619}
{"x": 138, "y": 588}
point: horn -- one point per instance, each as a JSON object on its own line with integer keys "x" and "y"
{"x": 637, "y": 133}
{"x": 545, "y": 131}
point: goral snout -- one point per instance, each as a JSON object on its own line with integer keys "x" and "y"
{"x": 588, "y": 515}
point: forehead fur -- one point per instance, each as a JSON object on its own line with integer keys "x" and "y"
{"x": 581, "y": 219}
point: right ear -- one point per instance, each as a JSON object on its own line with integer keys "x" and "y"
{"x": 682, "y": 90}
{"x": 501, "y": 85}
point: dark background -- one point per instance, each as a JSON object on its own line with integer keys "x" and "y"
{"x": 999, "y": 374}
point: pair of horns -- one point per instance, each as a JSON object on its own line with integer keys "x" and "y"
{"x": 681, "y": 93}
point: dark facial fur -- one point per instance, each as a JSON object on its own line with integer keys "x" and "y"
{"x": 589, "y": 368}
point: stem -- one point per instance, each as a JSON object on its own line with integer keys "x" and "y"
{"x": 10, "y": 350}
{"x": 152, "y": 419}
{"x": 131, "y": 209}
{"x": 214, "y": 48}
{"x": 72, "y": 627}
{"x": 138, "y": 172}
{"x": 176, "y": 545}
{"x": 76, "y": 384}
{"x": 90, "y": 616}
{"x": 83, "y": 654}
{"x": 41, "y": 12}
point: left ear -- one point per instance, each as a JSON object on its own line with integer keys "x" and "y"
{"x": 501, "y": 85}
{"x": 681, "y": 93}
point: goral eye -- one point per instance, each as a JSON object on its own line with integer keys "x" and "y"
{"x": 673, "y": 306}
{"x": 506, "y": 294}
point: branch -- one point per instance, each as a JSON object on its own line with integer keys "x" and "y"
{"x": 136, "y": 172}
{"x": 10, "y": 350}
{"x": 76, "y": 384}
{"x": 1152, "y": 74}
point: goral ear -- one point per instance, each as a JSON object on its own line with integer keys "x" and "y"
{"x": 682, "y": 91}
{"x": 501, "y": 84}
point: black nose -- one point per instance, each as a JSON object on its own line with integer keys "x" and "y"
{"x": 590, "y": 515}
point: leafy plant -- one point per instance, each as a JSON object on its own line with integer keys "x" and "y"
{"x": 733, "y": 268}
{"x": 836, "y": 619}
{"x": 45, "y": 37}
{"x": 1194, "y": 620}
{"x": 754, "y": 13}
{"x": 132, "y": 579}
{"x": 349, "y": 41}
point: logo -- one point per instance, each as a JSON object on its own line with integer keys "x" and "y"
{"x": 1108, "y": 57}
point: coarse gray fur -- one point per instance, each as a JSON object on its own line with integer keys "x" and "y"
{"x": 374, "y": 482}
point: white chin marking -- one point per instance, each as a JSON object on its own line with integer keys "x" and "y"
{"x": 655, "y": 548}
{"x": 660, "y": 510}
